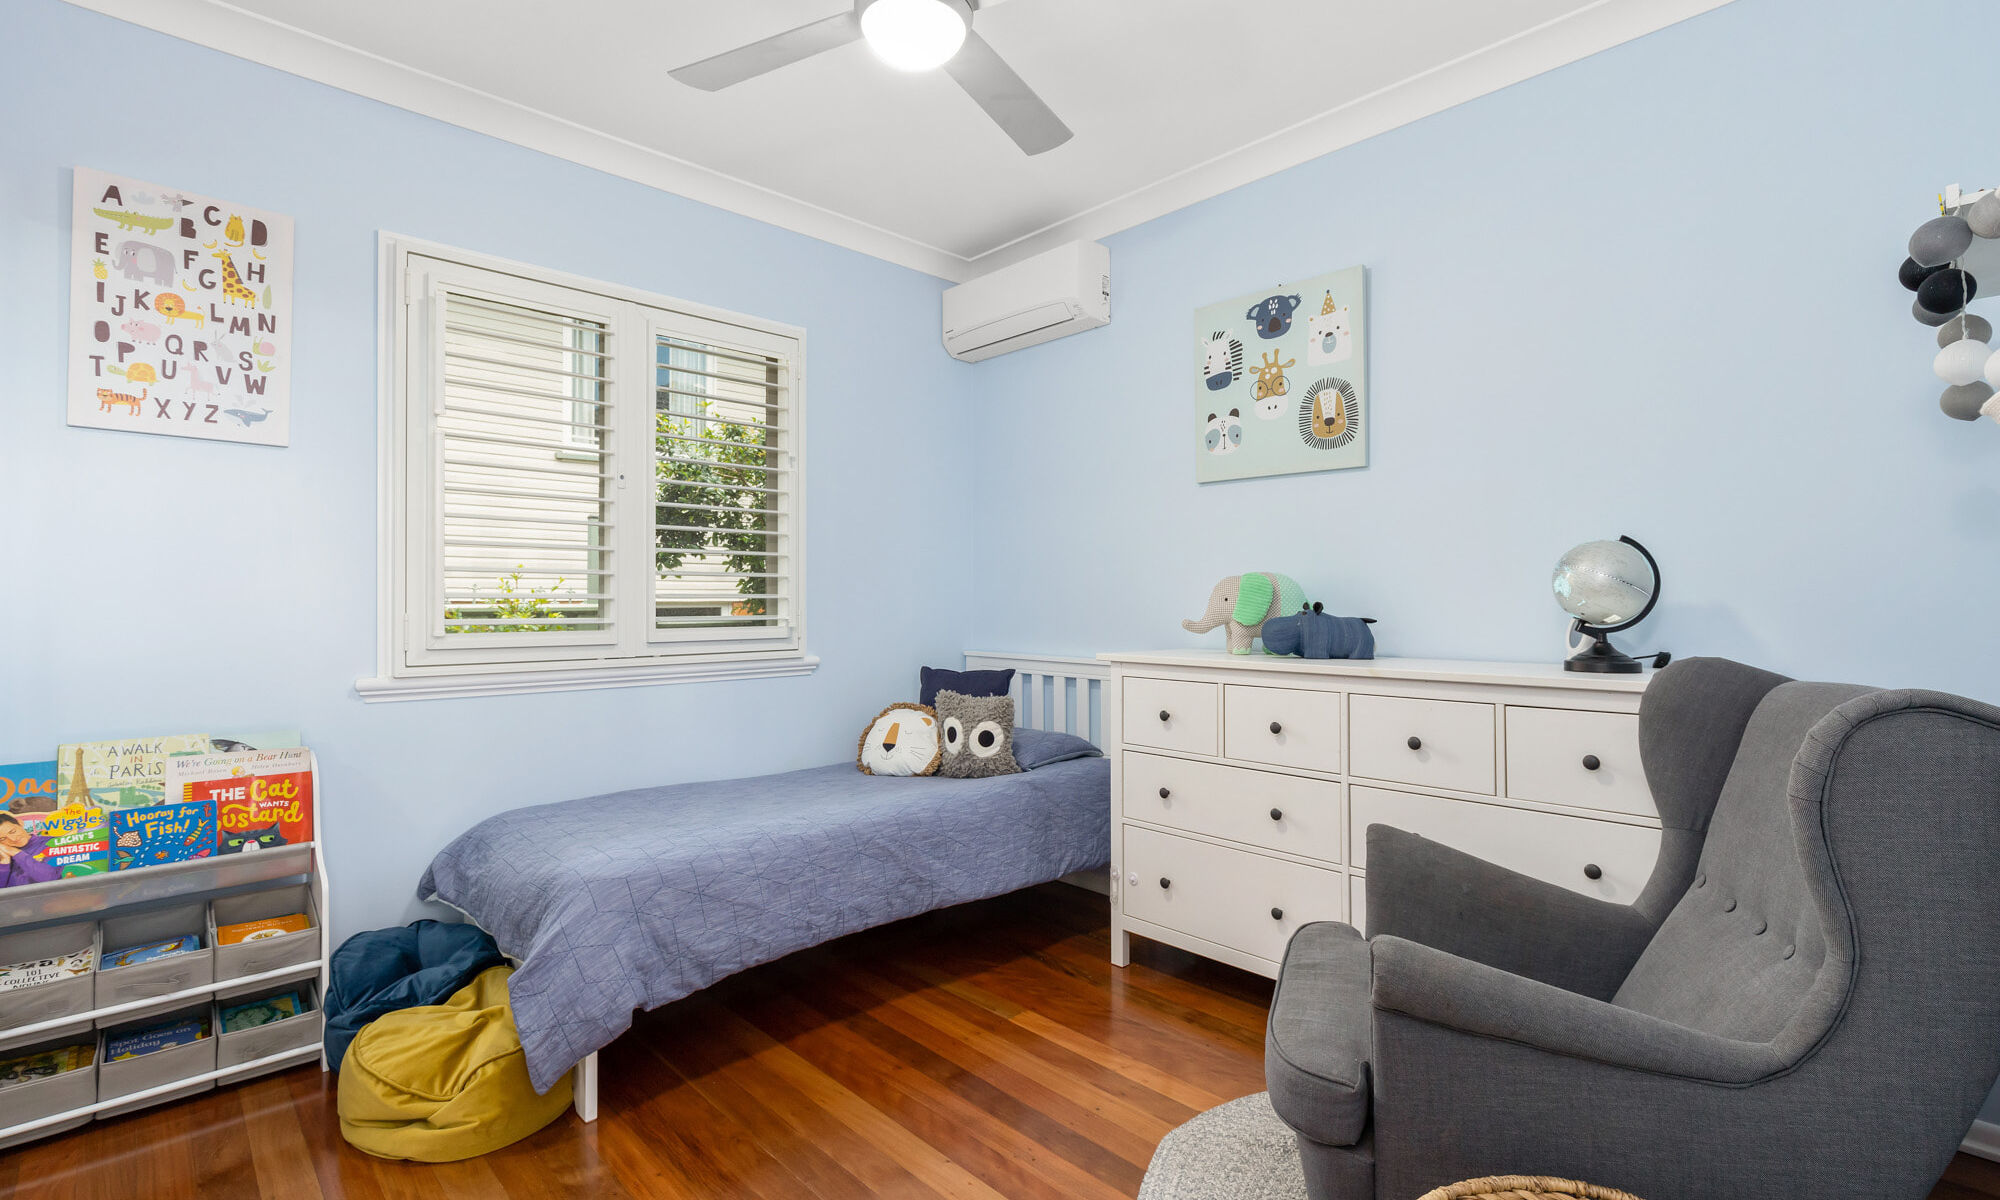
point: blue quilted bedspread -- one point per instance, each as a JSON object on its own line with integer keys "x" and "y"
{"x": 632, "y": 900}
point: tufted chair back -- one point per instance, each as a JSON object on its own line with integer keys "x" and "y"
{"x": 1741, "y": 950}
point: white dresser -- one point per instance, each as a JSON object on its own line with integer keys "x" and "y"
{"x": 1243, "y": 786}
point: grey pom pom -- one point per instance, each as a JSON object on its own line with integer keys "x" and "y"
{"x": 1983, "y": 217}
{"x": 1928, "y": 317}
{"x": 1963, "y": 326}
{"x": 1962, "y": 403}
{"x": 1939, "y": 240}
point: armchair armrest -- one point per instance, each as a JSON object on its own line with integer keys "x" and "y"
{"x": 1429, "y": 893}
{"x": 1478, "y": 1000}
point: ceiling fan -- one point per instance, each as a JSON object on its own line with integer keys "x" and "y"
{"x": 910, "y": 35}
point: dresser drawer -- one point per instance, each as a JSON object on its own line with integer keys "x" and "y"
{"x": 1548, "y": 846}
{"x": 1436, "y": 743}
{"x": 1224, "y": 895}
{"x": 1171, "y": 714}
{"x": 1236, "y": 803}
{"x": 1286, "y": 727}
{"x": 1585, "y": 759}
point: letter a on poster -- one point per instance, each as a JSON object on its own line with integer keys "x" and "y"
{"x": 180, "y": 313}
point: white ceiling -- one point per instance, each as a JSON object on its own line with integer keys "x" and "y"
{"x": 1172, "y": 101}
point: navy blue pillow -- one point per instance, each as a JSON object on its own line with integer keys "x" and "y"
{"x": 932, "y": 680}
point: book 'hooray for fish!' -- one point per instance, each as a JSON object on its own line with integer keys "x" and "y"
{"x": 164, "y": 833}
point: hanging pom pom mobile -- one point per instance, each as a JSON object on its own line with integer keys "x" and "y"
{"x": 1968, "y": 226}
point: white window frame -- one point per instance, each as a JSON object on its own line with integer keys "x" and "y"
{"x": 412, "y": 663}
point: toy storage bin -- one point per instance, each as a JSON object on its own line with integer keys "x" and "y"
{"x": 122, "y": 1078}
{"x": 162, "y": 976}
{"x": 62, "y": 998}
{"x": 45, "y": 1097}
{"x": 292, "y": 1033}
{"x": 268, "y": 953}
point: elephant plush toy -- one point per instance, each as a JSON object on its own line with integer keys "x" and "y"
{"x": 1244, "y": 603}
{"x": 1314, "y": 633}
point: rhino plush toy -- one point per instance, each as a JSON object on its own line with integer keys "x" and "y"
{"x": 1314, "y": 633}
{"x": 1244, "y": 603}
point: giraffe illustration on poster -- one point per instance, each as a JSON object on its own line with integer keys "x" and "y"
{"x": 180, "y": 313}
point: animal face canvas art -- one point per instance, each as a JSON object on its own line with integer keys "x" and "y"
{"x": 1274, "y": 429}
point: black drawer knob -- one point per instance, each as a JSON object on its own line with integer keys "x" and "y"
{"x": 1165, "y": 882}
{"x": 1277, "y": 914}
{"x": 1164, "y": 793}
{"x": 1277, "y": 728}
{"x": 1592, "y": 871}
{"x": 1590, "y": 762}
{"x": 1165, "y": 715}
{"x": 1416, "y": 743}
{"x": 1277, "y": 814}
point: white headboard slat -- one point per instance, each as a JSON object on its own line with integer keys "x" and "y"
{"x": 1043, "y": 689}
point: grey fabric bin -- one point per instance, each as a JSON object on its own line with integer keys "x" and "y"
{"x": 249, "y": 1045}
{"x": 45, "y": 1097}
{"x": 122, "y": 1078}
{"x": 270, "y": 953}
{"x": 62, "y": 998}
{"x": 161, "y": 977}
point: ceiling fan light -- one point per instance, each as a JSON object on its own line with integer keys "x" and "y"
{"x": 915, "y": 35}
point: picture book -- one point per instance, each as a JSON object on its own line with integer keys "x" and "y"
{"x": 130, "y": 773}
{"x": 263, "y": 798}
{"x": 48, "y": 838}
{"x": 257, "y": 931}
{"x": 252, "y": 1013}
{"x": 48, "y": 970}
{"x": 155, "y": 1038}
{"x": 267, "y": 739}
{"x": 44, "y": 1064}
{"x": 164, "y": 833}
{"x": 132, "y": 956}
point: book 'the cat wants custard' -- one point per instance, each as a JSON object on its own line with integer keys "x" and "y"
{"x": 262, "y": 798}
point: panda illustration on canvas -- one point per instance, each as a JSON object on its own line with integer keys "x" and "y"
{"x": 1299, "y": 416}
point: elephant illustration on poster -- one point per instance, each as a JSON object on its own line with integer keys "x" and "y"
{"x": 1244, "y": 603}
{"x": 141, "y": 261}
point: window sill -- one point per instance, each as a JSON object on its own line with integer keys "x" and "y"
{"x": 391, "y": 689}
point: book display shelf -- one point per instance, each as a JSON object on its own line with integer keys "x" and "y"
{"x": 123, "y": 908}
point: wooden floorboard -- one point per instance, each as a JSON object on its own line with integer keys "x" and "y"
{"x": 989, "y": 1052}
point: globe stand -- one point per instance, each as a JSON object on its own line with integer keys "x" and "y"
{"x": 1601, "y": 658}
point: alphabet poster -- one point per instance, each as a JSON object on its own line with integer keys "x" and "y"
{"x": 1281, "y": 380}
{"x": 180, "y": 313}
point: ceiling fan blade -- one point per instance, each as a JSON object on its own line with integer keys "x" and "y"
{"x": 1008, "y": 99}
{"x": 780, "y": 50}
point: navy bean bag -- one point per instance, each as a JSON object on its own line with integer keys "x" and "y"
{"x": 384, "y": 970}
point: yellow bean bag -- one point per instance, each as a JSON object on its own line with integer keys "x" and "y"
{"x": 444, "y": 1081}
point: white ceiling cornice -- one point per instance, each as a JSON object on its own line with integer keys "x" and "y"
{"x": 250, "y": 36}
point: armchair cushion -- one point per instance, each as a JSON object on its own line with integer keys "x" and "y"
{"x": 1320, "y": 1035}
{"x": 1471, "y": 998}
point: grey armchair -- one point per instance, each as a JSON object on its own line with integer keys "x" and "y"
{"x": 1805, "y": 1000}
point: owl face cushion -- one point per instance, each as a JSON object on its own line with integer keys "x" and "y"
{"x": 903, "y": 740}
{"x": 977, "y": 735}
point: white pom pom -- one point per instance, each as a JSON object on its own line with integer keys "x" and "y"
{"x": 1993, "y": 369}
{"x": 1992, "y": 407}
{"x": 1962, "y": 362}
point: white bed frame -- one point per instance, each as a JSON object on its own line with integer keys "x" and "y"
{"x": 1064, "y": 695}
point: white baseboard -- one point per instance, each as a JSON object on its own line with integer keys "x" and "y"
{"x": 1982, "y": 1141}
{"x": 1099, "y": 881}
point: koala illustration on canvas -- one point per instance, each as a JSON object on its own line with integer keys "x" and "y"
{"x": 1224, "y": 434}
{"x": 1332, "y": 332}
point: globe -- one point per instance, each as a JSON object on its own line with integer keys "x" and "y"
{"x": 1604, "y": 583}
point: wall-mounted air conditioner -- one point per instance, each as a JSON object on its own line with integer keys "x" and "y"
{"x": 1063, "y": 291}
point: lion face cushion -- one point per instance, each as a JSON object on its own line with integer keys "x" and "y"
{"x": 977, "y": 733}
{"x": 903, "y": 740}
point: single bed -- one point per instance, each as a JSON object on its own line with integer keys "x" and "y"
{"x": 636, "y": 899}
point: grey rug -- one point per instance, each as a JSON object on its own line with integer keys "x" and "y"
{"x": 1236, "y": 1151}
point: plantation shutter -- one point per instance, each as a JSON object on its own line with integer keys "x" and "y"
{"x": 591, "y": 480}
{"x": 724, "y": 519}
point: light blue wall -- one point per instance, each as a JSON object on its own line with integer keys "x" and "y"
{"x": 158, "y": 584}
{"x": 1652, "y": 292}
